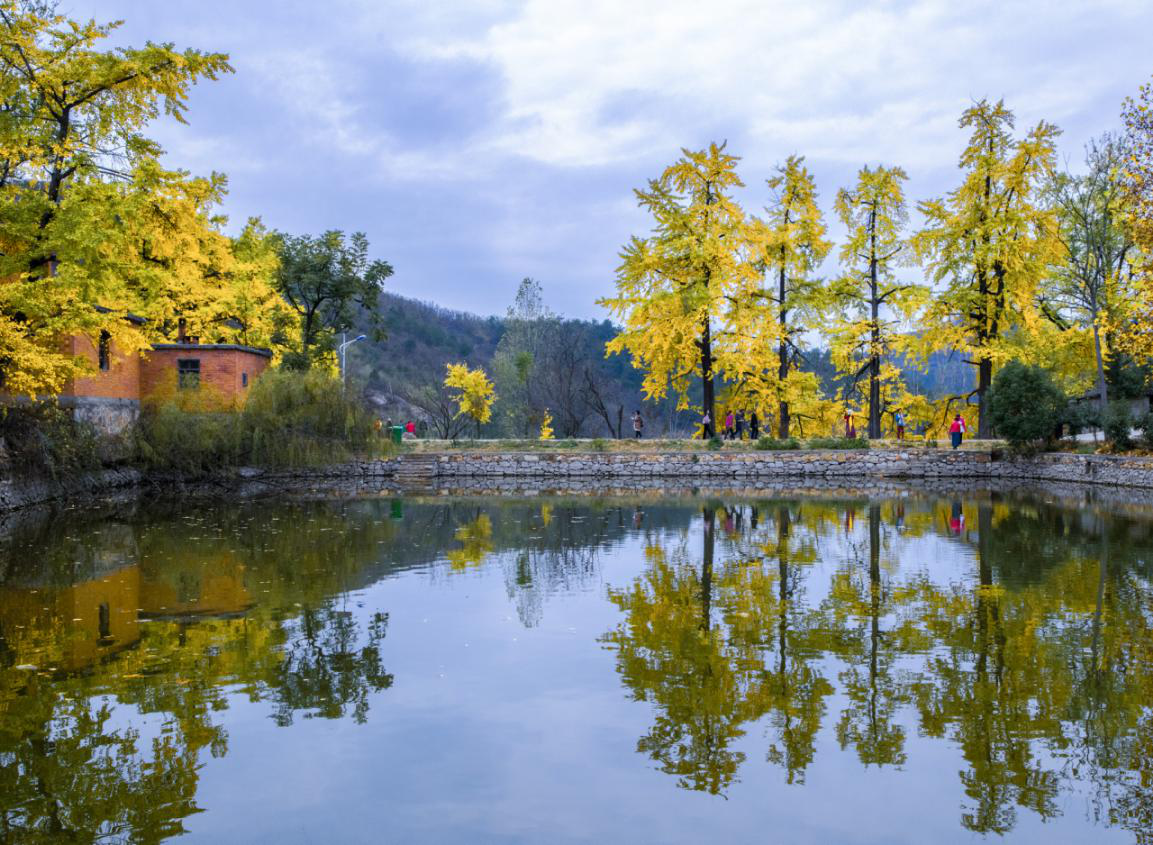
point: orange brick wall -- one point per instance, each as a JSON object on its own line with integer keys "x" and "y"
{"x": 120, "y": 381}
{"x": 221, "y": 370}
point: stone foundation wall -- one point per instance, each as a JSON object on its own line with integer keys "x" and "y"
{"x": 112, "y": 418}
{"x": 25, "y": 493}
{"x": 688, "y": 467}
{"x": 482, "y": 471}
{"x": 879, "y": 463}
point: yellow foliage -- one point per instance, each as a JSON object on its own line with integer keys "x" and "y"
{"x": 990, "y": 241}
{"x": 475, "y": 392}
{"x": 546, "y": 426}
{"x": 676, "y": 288}
{"x": 92, "y": 227}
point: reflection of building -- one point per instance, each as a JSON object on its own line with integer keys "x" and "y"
{"x": 72, "y": 627}
{"x": 194, "y": 586}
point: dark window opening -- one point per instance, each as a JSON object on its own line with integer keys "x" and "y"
{"x": 104, "y": 351}
{"x": 188, "y": 373}
{"x": 244, "y": 379}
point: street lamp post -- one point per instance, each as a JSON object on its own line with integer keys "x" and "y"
{"x": 342, "y": 351}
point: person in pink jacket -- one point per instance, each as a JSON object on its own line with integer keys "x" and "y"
{"x": 957, "y": 430}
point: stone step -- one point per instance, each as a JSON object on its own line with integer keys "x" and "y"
{"x": 417, "y": 466}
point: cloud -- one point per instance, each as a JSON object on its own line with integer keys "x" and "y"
{"x": 835, "y": 77}
{"x": 479, "y": 141}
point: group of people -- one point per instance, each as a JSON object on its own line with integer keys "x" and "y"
{"x": 734, "y": 426}
{"x": 409, "y": 427}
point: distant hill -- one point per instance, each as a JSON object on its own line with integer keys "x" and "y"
{"x": 422, "y": 338}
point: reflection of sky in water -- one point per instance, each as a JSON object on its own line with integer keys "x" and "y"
{"x": 492, "y": 705}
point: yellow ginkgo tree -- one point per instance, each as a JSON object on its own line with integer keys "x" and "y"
{"x": 873, "y": 307}
{"x": 474, "y": 392}
{"x": 92, "y": 226}
{"x": 676, "y": 288}
{"x": 1136, "y": 172}
{"x": 790, "y": 244}
{"x": 988, "y": 244}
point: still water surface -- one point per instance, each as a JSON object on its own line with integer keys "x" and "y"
{"x": 677, "y": 669}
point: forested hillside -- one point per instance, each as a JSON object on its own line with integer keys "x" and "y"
{"x": 587, "y": 394}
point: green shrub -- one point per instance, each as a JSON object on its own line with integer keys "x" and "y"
{"x": 715, "y": 443}
{"x": 43, "y": 439}
{"x": 773, "y": 444}
{"x": 1025, "y": 405}
{"x": 599, "y": 444}
{"x": 1082, "y": 416}
{"x": 837, "y": 443}
{"x": 1145, "y": 424}
{"x": 306, "y": 418}
{"x": 1118, "y": 426}
{"x": 290, "y": 419}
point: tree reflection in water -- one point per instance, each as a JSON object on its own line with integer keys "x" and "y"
{"x": 754, "y": 628}
{"x": 1037, "y": 665}
{"x": 72, "y": 652}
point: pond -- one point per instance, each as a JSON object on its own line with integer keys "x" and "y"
{"x": 831, "y": 667}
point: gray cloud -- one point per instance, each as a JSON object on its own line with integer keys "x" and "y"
{"x": 479, "y": 142}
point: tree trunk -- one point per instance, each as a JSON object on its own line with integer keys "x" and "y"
{"x": 874, "y": 338}
{"x": 710, "y": 516}
{"x": 984, "y": 379}
{"x": 874, "y": 606}
{"x": 708, "y": 396}
{"x": 1102, "y": 568}
{"x": 1102, "y": 388}
{"x": 783, "y": 355}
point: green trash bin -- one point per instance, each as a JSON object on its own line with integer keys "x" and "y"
{"x": 397, "y": 433}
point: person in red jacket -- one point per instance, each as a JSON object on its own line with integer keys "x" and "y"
{"x": 957, "y": 430}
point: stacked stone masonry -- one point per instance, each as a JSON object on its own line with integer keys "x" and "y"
{"x": 686, "y": 468}
{"x": 465, "y": 471}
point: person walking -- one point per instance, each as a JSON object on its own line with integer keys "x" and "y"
{"x": 740, "y": 432}
{"x": 957, "y": 431}
{"x": 754, "y": 426}
{"x": 729, "y": 425}
{"x": 638, "y": 425}
{"x": 899, "y": 419}
{"x": 706, "y": 426}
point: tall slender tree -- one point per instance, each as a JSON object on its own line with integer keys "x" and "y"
{"x": 676, "y": 289}
{"x": 870, "y": 300}
{"x": 1136, "y": 172}
{"x": 792, "y": 244}
{"x": 989, "y": 242}
{"x": 1091, "y": 284}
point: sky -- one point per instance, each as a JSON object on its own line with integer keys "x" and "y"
{"x": 477, "y": 142}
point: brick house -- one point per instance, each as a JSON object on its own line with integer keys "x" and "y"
{"x": 110, "y": 396}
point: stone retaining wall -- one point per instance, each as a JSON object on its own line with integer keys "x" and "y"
{"x": 479, "y": 470}
{"x": 686, "y": 468}
{"x": 879, "y": 463}
{"x": 24, "y": 493}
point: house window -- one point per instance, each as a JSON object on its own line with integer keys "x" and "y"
{"x": 244, "y": 379}
{"x": 104, "y": 351}
{"x": 188, "y": 373}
